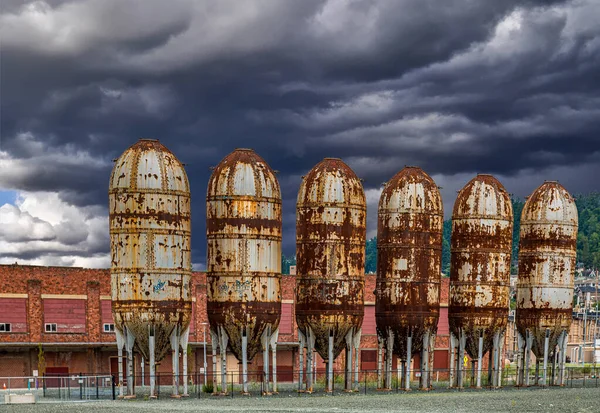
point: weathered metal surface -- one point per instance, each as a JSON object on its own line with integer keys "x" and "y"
{"x": 149, "y": 214}
{"x": 243, "y": 231}
{"x": 482, "y": 224}
{"x": 547, "y": 253}
{"x": 409, "y": 255}
{"x": 330, "y": 253}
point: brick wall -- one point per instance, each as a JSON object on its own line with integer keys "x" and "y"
{"x": 79, "y": 300}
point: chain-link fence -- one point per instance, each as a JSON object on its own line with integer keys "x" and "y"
{"x": 292, "y": 383}
{"x": 78, "y": 387}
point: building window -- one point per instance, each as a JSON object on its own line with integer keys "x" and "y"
{"x": 5, "y": 328}
{"x": 109, "y": 328}
{"x": 51, "y": 328}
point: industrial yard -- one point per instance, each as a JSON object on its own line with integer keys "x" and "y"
{"x": 506, "y": 400}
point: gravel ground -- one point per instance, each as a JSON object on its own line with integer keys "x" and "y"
{"x": 535, "y": 400}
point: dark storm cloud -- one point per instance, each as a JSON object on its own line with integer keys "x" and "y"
{"x": 507, "y": 87}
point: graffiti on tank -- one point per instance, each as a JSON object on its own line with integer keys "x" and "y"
{"x": 160, "y": 286}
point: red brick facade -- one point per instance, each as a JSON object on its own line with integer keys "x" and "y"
{"x": 78, "y": 301}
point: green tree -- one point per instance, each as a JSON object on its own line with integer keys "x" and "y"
{"x": 371, "y": 256}
{"x": 446, "y": 247}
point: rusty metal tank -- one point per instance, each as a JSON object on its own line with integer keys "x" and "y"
{"x": 409, "y": 256}
{"x": 149, "y": 215}
{"x": 330, "y": 253}
{"x": 547, "y": 253}
{"x": 482, "y": 224}
{"x": 243, "y": 231}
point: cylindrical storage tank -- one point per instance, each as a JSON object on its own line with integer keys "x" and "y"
{"x": 547, "y": 253}
{"x": 482, "y": 224}
{"x": 409, "y": 255}
{"x": 149, "y": 215}
{"x": 243, "y": 231}
{"x": 330, "y": 254}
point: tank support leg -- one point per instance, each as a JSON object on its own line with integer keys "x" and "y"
{"x": 496, "y": 360}
{"x": 500, "y": 358}
{"x": 175, "y": 361}
{"x": 379, "y": 361}
{"x": 265, "y": 342}
{"x": 223, "y": 340}
{"x": 563, "y": 358}
{"x": 431, "y": 358}
{"x": 408, "y": 361}
{"x": 349, "y": 360}
{"x": 129, "y": 341}
{"x": 151, "y": 348}
{"x": 520, "y": 360}
{"x": 120, "y": 344}
{"x": 244, "y": 361}
{"x": 214, "y": 343}
{"x": 424, "y": 382}
{"x": 301, "y": 344}
{"x": 452, "y": 360}
{"x": 330, "y": 363}
{"x": 183, "y": 340}
{"x": 356, "y": 344}
{"x": 462, "y": 341}
{"x": 310, "y": 345}
{"x": 389, "y": 350}
{"x": 273, "y": 342}
{"x": 479, "y": 359}
{"x": 546, "y": 347}
{"x": 527, "y": 355}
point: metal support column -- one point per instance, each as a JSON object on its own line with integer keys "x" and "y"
{"x": 379, "y": 361}
{"x": 175, "y": 361}
{"x": 462, "y": 341}
{"x": 479, "y": 359}
{"x": 356, "y": 344}
{"x": 273, "y": 342}
{"x": 408, "y": 362}
{"x": 546, "y": 347}
{"x": 244, "y": 361}
{"x": 330, "y": 363}
{"x": 129, "y": 340}
{"x": 389, "y": 349}
{"x": 302, "y": 343}
{"x": 424, "y": 382}
{"x": 223, "y": 341}
{"x": 215, "y": 342}
{"x": 183, "y": 340}
{"x": 152, "y": 350}
{"x": 265, "y": 342}
{"x": 120, "y": 344}
{"x": 452, "y": 376}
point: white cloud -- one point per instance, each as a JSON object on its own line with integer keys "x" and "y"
{"x": 42, "y": 229}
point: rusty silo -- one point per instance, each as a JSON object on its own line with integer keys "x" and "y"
{"x": 243, "y": 230}
{"x": 482, "y": 224}
{"x": 409, "y": 255}
{"x": 330, "y": 263}
{"x": 149, "y": 214}
{"x": 547, "y": 252}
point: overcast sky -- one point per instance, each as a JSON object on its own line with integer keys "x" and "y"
{"x": 459, "y": 87}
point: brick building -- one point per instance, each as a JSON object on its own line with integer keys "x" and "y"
{"x": 66, "y": 312}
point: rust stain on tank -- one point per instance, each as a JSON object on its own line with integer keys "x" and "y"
{"x": 243, "y": 231}
{"x": 330, "y": 253}
{"x": 409, "y": 255}
{"x": 482, "y": 224}
{"x": 547, "y": 257}
{"x": 149, "y": 216}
